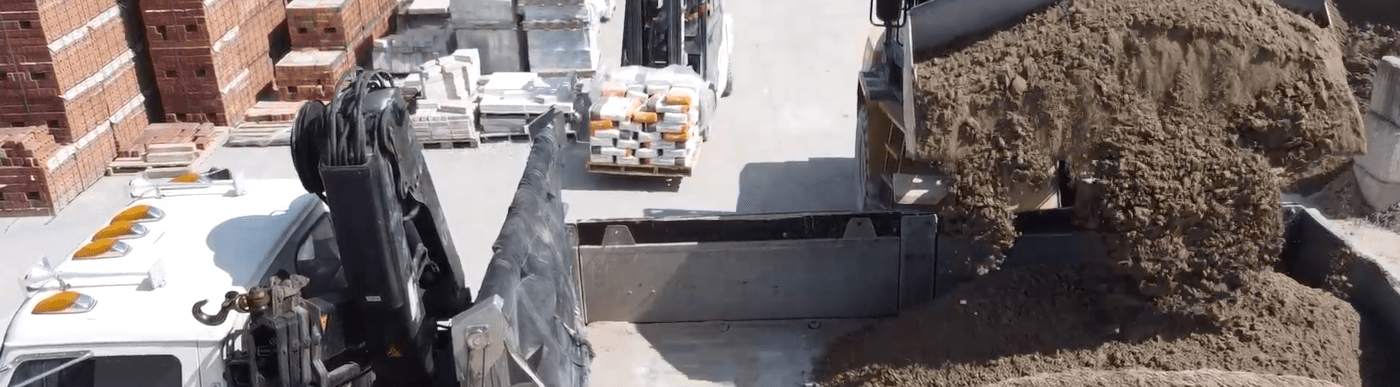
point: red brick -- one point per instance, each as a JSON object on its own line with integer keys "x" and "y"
{"x": 221, "y": 109}
{"x": 336, "y": 24}
{"x": 192, "y": 77}
{"x": 311, "y": 74}
{"x": 41, "y": 190}
{"x": 35, "y": 67}
{"x": 47, "y": 20}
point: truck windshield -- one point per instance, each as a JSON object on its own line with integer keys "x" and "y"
{"x": 102, "y": 371}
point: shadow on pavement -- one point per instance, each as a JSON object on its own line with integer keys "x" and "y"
{"x": 577, "y": 178}
{"x": 818, "y": 184}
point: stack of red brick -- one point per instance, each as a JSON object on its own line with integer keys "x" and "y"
{"x": 210, "y": 56}
{"x": 67, "y": 66}
{"x": 329, "y": 37}
{"x": 38, "y": 176}
{"x": 201, "y": 136}
{"x": 68, "y": 94}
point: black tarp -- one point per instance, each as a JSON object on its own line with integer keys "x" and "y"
{"x": 533, "y": 269}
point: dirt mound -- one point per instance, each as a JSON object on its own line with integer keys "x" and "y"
{"x": 1180, "y": 120}
{"x": 1148, "y": 378}
{"x": 1017, "y": 323}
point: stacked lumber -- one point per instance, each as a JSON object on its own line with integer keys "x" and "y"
{"x": 307, "y": 74}
{"x": 38, "y": 176}
{"x": 67, "y": 66}
{"x": 269, "y": 123}
{"x": 169, "y": 145}
{"x": 648, "y": 117}
{"x": 330, "y": 37}
{"x": 210, "y": 56}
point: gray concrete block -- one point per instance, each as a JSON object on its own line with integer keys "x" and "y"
{"x": 1378, "y": 194}
{"x": 477, "y": 13}
{"x": 499, "y": 48}
{"x": 1382, "y": 157}
{"x": 1385, "y": 88}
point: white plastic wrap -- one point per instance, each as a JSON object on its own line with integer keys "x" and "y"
{"x": 600, "y": 141}
{"x": 662, "y": 115}
{"x": 611, "y": 134}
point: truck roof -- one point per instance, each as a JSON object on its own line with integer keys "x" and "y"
{"x": 204, "y": 245}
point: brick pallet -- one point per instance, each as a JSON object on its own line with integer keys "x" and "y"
{"x": 67, "y": 65}
{"x": 177, "y": 145}
{"x": 48, "y": 176}
{"x": 309, "y": 74}
{"x": 210, "y": 60}
{"x": 200, "y": 136}
{"x": 318, "y": 27}
{"x": 328, "y": 24}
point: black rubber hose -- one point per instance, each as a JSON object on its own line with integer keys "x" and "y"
{"x": 306, "y": 136}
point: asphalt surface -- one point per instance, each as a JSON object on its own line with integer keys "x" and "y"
{"x": 783, "y": 143}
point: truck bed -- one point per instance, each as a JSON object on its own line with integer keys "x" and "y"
{"x": 755, "y": 300}
{"x": 741, "y": 353}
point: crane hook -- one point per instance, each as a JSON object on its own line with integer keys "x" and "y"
{"x": 232, "y": 300}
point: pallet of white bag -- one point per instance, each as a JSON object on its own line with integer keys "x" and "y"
{"x": 650, "y": 170}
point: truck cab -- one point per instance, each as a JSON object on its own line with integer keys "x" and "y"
{"x": 113, "y": 312}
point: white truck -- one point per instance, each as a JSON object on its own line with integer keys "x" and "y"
{"x": 115, "y": 312}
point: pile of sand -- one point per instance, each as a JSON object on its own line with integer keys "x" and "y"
{"x": 1015, "y": 323}
{"x": 1180, "y": 119}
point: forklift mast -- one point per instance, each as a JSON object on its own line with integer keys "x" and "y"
{"x": 659, "y": 33}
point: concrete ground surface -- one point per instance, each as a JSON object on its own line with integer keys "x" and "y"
{"x": 783, "y": 142}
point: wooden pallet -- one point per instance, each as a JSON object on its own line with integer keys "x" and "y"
{"x": 133, "y": 165}
{"x": 647, "y": 170}
{"x": 455, "y": 144}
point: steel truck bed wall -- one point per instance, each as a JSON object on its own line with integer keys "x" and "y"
{"x": 864, "y": 265}
{"x": 757, "y": 267}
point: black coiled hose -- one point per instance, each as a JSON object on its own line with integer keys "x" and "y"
{"x": 307, "y": 131}
{"x": 342, "y": 134}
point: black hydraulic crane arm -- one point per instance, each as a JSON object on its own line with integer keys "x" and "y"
{"x": 360, "y": 156}
{"x": 374, "y": 307}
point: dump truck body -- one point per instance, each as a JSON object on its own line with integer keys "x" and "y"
{"x": 756, "y": 299}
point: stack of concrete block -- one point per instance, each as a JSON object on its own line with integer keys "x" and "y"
{"x": 38, "y": 176}
{"x": 447, "y": 110}
{"x": 330, "y": 37}
{"x": 305, "y": 75}
{"x": 211, "y": 57}
{"x": 67, "y": 66}
{"x": 1378, "y": 171}
{"x": 402, "y": 53}
{"x": 493, "y": 28}
{"x": 511, "y": 100}
{"x": 561, "y": 35}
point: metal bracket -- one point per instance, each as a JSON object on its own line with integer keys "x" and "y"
{"x": 858, "y": 228}
{"x": 480, "y": 342}
{"x": 618, "y": 235}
